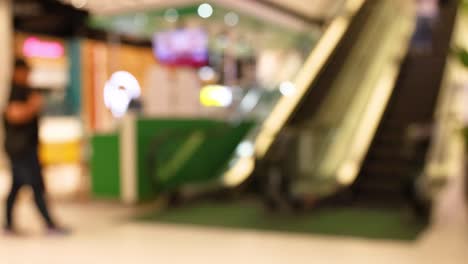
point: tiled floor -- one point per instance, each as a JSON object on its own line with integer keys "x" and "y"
{"x": 104, "y": 234}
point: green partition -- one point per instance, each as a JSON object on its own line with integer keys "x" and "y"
{"x": 184, "y": 151}
{"x": 105, "y": 166}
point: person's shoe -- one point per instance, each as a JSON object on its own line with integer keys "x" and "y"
{"x": 58, "y": 231}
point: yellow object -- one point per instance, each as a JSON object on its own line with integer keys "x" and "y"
{"x": 60, "y": 153}
{"x": 215, "y": 96}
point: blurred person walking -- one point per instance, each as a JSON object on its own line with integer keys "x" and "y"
{"x": 21, "y": 145}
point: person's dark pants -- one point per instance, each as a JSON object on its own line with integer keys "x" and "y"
{"x": 26, "y": 171}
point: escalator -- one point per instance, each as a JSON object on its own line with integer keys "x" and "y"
{"x": 366, "y": 158}
{"x": 311, "y": 86}
{"x": 387, "y": 171}
{"x": 332, "y": 127}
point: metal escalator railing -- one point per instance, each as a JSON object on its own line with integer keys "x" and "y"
{"x": 388, "y": 173}
{"x": 334, "y": 138}
{"x": 361, "y": 92}
{"x": 445, "y": 155}
{"x": 263, "y": 137}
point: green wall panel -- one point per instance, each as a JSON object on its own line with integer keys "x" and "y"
{"x": 105, "y": 166}
{"x": 185, "y": 151}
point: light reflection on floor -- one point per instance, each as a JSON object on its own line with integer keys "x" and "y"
{"x": 103, "y": 233}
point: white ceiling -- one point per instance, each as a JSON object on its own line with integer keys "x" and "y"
{"x": 317, "y": 9}
{"x": 311, "y": 9}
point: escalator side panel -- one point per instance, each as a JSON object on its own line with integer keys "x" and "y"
{"x": 313, "y": 99}
{"x": 387, "y": 174}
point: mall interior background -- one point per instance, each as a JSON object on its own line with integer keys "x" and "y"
{"x": 82, "y": 64}
{"x": 257, "y": 88}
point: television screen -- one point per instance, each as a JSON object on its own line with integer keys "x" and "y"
{"x": 182, "y": 47}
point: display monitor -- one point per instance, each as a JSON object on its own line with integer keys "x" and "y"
{"x": 182, "y": 47}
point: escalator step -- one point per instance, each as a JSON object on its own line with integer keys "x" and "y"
{"x": 387, "y": 168}
{"x": 380, "y": 198}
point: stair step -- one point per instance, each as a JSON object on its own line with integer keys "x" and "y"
{"x": 387, "y": 170}
{"x": 381, "y": 181}
{"x": 380, "y": 198}
{"x": 386, "y": 154}
{"x": 380, "y": 187}
{"x": 389, "y": 138}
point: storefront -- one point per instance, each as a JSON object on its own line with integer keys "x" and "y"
{"x": 189, "y": 49}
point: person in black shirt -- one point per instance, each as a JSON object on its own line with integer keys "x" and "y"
{"x": 21, "y": 145}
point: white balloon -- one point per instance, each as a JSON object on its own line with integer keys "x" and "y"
{"x": 120, "y": 102}
{"x": 119, "y": 91}
{"x": 128, "y": 82}
{"x": 108, "y": 94}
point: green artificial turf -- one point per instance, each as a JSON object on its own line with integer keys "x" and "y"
{"x": 366, "y": 223}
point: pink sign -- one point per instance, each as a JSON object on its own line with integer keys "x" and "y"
{"x": 36, "y": 48}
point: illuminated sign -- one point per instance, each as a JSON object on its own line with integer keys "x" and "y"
{"x": 36, "y": 48}
{"x": 119, "y": 91}
{"x": 216, "y": 96}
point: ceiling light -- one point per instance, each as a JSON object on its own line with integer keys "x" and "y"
{"x": 171, "y": 15}
{"x": 205, "y": 10}
{"x": 287, "y": 88}
{"x": 231, "y": 19}
{"x": 245, "y": 149}
{"x": 79, "y": 3}
{"x": 207, "y": 74}
{"x": 140, "y": 20}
